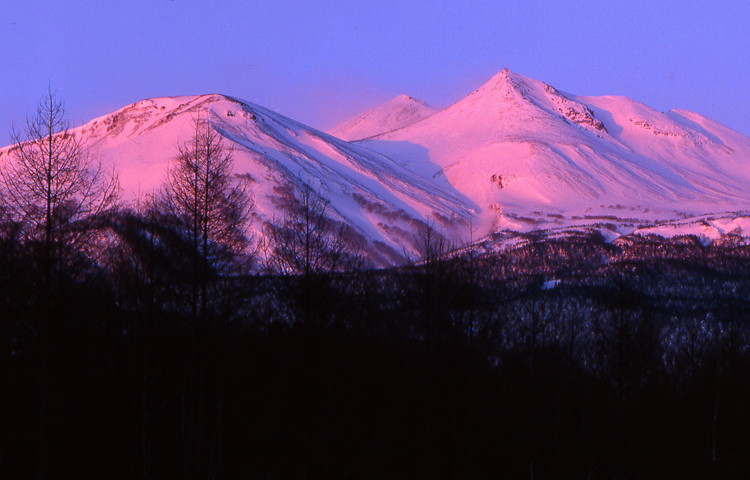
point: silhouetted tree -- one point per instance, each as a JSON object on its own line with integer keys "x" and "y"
{"x": 430, "y": 268}
{"x": 209, "y": 209}
{"x": 52, "y": 187}
{"x": 626, "y": 336}
{"x": 12, "y": 281}
{"x": 314, "y": 262}
{"x": 144, "y": 278}
{"x": 305, "y": 249}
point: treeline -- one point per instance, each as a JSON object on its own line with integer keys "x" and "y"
{"x": 156, "y": 342}
{"x": 463, "y": 367}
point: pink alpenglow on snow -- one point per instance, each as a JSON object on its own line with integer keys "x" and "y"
{"x": 396, "y": 113}
{"x": 516, "y": 154}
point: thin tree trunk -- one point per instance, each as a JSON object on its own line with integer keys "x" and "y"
{"x": 41, "y": 451}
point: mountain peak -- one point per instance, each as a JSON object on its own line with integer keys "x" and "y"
{"x": 516, "y": 146}
{"x": 516, "y": 154}
{"x": 506, "y": 80}
{"x": 503, "y": 74}
{"x": 507, "y": 86}
{"x": 402, "y": 99}
{"x": 394, "y": 114}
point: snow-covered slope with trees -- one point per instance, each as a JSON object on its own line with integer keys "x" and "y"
{"x": 383, "y": 201}
{"x": 516, "y": 154}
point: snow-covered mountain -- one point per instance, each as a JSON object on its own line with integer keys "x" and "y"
{"x": 396, "y": 113}
{"x": 379, "y": 198}
{"x": 527, "y": 156}
{"x": 516, "y": 154}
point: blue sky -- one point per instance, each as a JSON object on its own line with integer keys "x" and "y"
{"x": 321, "y": 62}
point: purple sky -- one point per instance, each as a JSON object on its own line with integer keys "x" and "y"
{"x": 321, "y": 62}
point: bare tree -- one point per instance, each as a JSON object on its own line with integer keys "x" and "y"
{"x": 53, "y": 185}
{"x": 307, "y": 242}
{"x": 432, "y": 249}
{"x": 52, "y": 188}
{"x": 210, "y": 211}
{"x": 315, "y": 264}
{"x": 306, "y": 249}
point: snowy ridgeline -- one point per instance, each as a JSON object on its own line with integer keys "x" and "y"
{"x": 515, "y": 155}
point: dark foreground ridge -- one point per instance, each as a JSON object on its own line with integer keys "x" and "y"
{"x": 562, "y": 358}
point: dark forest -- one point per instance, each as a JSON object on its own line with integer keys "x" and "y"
{"x": 159, "y": 342}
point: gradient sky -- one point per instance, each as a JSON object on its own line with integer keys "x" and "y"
{"x": 322, "y": 62}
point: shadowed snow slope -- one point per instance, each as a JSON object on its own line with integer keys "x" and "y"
{"x": 532, "y": 157}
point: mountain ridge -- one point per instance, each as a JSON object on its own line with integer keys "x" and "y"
{"x": 275, "y": 155}
{"x": 550, "y": 152}
{"x": 515, "y": 154}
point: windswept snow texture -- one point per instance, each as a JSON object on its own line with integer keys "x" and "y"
{"x": 396, "y": 113}
{"x": 531, "y": 157}
{"x": 516, "y": 155}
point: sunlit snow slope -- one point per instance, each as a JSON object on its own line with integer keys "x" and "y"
{"x": 516, "y": 154}
{"x": 384, "y": 202}
{"x": 530, "y": 157}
